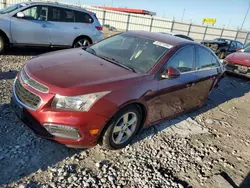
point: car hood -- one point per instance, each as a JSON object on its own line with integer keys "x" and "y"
{"x": 75, "y": 68}
{"x": 241, "y": 58}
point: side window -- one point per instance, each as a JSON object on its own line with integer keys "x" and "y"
{"x": 239, "y": 45}
{"x": 67, "y": 15}
{"x": 183, "y": 59}
{"x": 36, "y": 13}
{"x": 83, "y": 17}
{"x": 233, "y": 44}
{"x": 205, "y": 59}
{"x": 61, "y": 15}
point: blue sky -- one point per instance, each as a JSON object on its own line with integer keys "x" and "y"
{"x": 227, "y": 12}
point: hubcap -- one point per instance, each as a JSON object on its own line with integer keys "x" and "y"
{"x": 82, "y": 43}
{"x": 124, "y": 128}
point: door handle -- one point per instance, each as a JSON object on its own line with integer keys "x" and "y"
{"x": 44, "y": 25}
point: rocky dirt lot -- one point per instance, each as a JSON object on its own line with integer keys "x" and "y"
{"x": 209, "y": 147}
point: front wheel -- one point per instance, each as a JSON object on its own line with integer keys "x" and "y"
{"x": 122, "y": 129}
{"x": 81, "y": 42}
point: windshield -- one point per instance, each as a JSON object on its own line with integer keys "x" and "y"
{"x": 136, "y": 53}
{"x": 10, "y": 9}
{"x": 223, "y": 40}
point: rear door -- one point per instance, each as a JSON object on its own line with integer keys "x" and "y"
{"x": 63, "y": 26}
{"x": 33, "y": 29}
{"x": 207, "y": 72}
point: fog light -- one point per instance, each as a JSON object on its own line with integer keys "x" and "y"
{"x": 63, "y": 131}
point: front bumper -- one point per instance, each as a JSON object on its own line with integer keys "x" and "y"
{"x": 84, "y": 122}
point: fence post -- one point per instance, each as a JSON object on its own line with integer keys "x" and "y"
{"x": 103, "y": 17}
{"x": 236, "y": 35}
{"x": 246, "y": 38}
{"x": 189, "y": 29}
{"x": 127, "y": 27}
{"x": 151, "y": 24}
{"x": 4, "y": 3}
{"x": 205, "y": 33}
{"x": 172, "y": 27}
{"x": 221, "y": 32}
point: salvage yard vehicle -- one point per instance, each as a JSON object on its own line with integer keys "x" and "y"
{"x": 107, "y": 92}
{"x": 223, "y": 47}
{"x": 239, "y": 62}
{"x": 49, "y": 25}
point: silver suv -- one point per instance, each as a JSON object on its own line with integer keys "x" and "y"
{"x": 48, "y": 24}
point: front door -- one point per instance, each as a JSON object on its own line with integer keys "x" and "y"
{"x": 175, "y": 95}
{"x": 33, "y": 28}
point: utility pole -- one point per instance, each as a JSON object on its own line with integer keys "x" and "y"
{"x": 245, "y": 16}
{"x": 183, "y": 14}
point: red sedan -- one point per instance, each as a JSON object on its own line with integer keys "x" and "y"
{"x": 107, "y": 92}
{"x": 239, "y": 62}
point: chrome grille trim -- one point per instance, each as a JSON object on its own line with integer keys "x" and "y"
{"x": 17, "y": 88}
{"x": 33, "y": 83}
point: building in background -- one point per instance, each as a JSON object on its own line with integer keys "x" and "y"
{"x": 128, "y": 10}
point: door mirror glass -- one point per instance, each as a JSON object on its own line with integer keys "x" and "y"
{"x": 171, "y": 72}
{"x": 20, "y": 15}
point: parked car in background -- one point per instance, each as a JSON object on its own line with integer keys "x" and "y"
{"x": 107, "y": 92}
{"x": 222, "y": 46}
{"x": 179, "y": 35}
{"x": 48, "y": 24}
{"x": 239, "y": 62}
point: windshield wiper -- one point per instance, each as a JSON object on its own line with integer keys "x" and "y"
{"x": 114, "y": 61}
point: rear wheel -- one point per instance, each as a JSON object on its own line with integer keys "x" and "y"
{"x": 81, "y": 42}
{"x": 122, "y": 129}
{"x": 2, "y": 44}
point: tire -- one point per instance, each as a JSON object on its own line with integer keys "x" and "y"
{"x": 2, "y": 44}
{"x": 221, "y": 55}
{"x": 81, "y": 42}
{"x": 116, "y": 128}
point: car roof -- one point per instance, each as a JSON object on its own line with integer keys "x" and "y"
{"x": 61, "y": 5}
{"x": 161, "y": 37}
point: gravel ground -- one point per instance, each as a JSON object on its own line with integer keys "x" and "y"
{"x": 208, "y": 147}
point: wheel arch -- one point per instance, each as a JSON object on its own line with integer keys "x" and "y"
{"x": 6, "y": 38}
{"x": 140, "y": 106}
{"x": 82, "y": 36}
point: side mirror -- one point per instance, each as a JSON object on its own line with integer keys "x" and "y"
{"x": 20, "y": 15}
{"x": 171, "y": 72}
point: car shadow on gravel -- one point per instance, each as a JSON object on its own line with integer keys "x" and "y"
{"x": 23, "y": 153}
{"x": 8, "y": 75}
{"x": 230, "y": 87}
{"x": 28, "y": 51}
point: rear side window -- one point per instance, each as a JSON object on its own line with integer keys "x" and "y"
{"x": 61, "y": 15}
{"x": 83, "y": 17}
{"x": 205, "y": 59}
{"x": 239, "y": 45}
{"x": 183, "y": 60}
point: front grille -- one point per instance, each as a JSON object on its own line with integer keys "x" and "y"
{"x": 26, "y": 97}
{"x": 33, "y": 83}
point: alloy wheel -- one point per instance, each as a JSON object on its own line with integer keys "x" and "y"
{"x": 124, "y": 128}
{"x": 82, "y": 43}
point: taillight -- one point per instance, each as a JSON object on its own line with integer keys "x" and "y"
{"x": 98, "y": 28}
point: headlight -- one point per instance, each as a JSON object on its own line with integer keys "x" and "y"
{"x": 77, "y": 103}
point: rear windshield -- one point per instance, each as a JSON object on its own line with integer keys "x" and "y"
{"x": 141, "y": 54}
{"x": 10, "y": 8}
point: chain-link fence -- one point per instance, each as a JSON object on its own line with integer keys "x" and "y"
{"x": 125, "y": 21}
